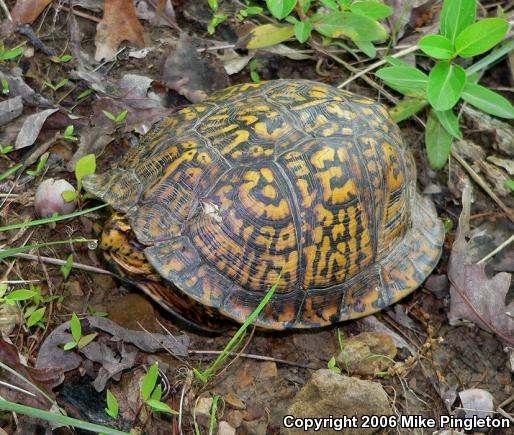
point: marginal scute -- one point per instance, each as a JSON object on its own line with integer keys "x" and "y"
{"x": 286, "y": 177}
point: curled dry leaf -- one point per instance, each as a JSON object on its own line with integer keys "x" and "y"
{"x": 46, "y": 379}
{"x": 27, "y": 11}
{"x": 118, "y": 24}
{"x": 474, "y": 296}
{"x": 31, "y": 128}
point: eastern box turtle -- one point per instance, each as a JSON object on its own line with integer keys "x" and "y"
{"x": 288, "y": 176}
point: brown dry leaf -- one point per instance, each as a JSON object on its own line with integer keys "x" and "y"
{"x": 474, "y": 296}
{"x": 118, "y": 24}
{"x": 27, "y": 11}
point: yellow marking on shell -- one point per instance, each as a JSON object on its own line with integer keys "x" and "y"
{"x": 337, "y": 110}
{"x": 267, "y": 174}
{"x": 307, "y": 198}
{"x": 347, "y": 131}
{"x": 188, "y": 113}
{"x": 309, "y": 253}
{"x": 249, "y": 119}
{"x": 319, "y": 158}
{"x": 308, "y": 104}
{"x": 330, "y": 131}
{"x": 261, "y": 128}
{"x": 204, "y": 158}
{"x": 318, "y": 92}
{"x": 240, "y": 137}
{"x": 323, "y": 215}
{"x": 325, "y": 177}
{"x": 286, "y": 238}
{"x": 218, "y": 117}
{"x": 269, "y": 192}
{"x": 222, "y": 131}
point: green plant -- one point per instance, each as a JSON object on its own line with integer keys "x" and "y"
{"x": 205, "y": 375}
{"x": 84, "y": 94}
{"x": 214, "y": 409}
{"x": 66, "y": 268}
{"x": 254, "y": 74}
{"x": 152, "y": 394}
{"x": 9, "y": 54}
{"x": 76, "y": 332}
{"x": 448, "y": 82}
{"x": 15, "y": 296}
{"x": 5, "y": 87}
{"x": 332, "y": 364}
{"x": 120, "y": 117}
{"x": 333, "y": 19}
{"x": 6, "y": 150}
{"x": 68, "y": 133}
{"x": 40, "y": 165}
{"x": 112, "y": 405}
{"x": 57, "y": 86}
{"x": 85, "y": 166}
{"x": 10, "y": 171}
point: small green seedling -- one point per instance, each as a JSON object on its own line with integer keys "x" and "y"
{"x": 5, "y": 87}
{"x": 254, "y": 74}
{"x": 85, "y": 166}
{"x": 10, "y": 54}
{"x": 510, "y": 184}
{"x": 216, "y": 20}
{"x": 66, "y": 268}
{"x": 250, "y": 10}
{"x": 214, "y": 409}
{"x": 68, "y": 134}
{"x": 84, "y": 94}
{"x": 152, "y": 394}
{"x": 112, "y": 405}
{"x": 35, "y": 317}
{"x": 116, "y": 118}
{"x": 92, "y": 312}
{"x": 57, "y": 86}
{"x": 40, "y": 165}
{"x": 10, "y": 171}
{"x": 448, "y": 82}
{"x": 332, "y": 365}
{"x": 65, "y": 58}
{"x": 76, "y": 332}
{"x": 6, "y": 150}
{"x": 16, "y": 296}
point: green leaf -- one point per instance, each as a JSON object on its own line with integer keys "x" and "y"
{"x": 157, "y": 392}
{"x": 76, "y": 327}
{"x": 70, "y": 345}
{"x": 159, "y": 406}
{"x": 109, "y": 115}
{"x": 112, "y": 405}
{"x": 20, "y": 295}
{"x": 372, "y": 9}
{"x": 40, "y": 165}
{"x": 395, "y": 61}
{"x": 35, "y": 317}
{"x": 481, "y": 37}
{"x": 85, "y": 94}
{"x": 450, "y": 122}
{"x": 66, "y": 58}
{"x": 302, "y": 31}
{"x": 213, "y": 4}
{"x": 280, "y": 8}
{"x": 354, "y": 26}
{"x": 405, "y": 79}
{"x": 84, "y": 341}
{"x": 149, "y": 381}
{"x": 266, "y": 35}
{"x": 456, "y": 16}
{"x": 70, "y": 195}
{"x": 121, "y": 116}
{"x": 11, "y": 54}
{"x": 215, "y": 22}
{"x": 488, "y": 101}
{"x": 367, "y": 48}
{"x": 445, "y": 84}
{"x": 85, "y": 166}
{"x": 438, "y": 142}
{"x": 436, "y": 46}
{"x": 331, "y": 4}
{"x": 66, "y": 268}
{"x": 406, "y": 108}
{"x": 510, "y": 184}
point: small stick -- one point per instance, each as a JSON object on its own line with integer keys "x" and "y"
{"x": 401, "y": 53}
{"x": 482, "y": 184}
{"x": 498, "y": 249}
{"x": 57, "y": 262}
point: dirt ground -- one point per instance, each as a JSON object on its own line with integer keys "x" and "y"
{"x": 433, "y": 356}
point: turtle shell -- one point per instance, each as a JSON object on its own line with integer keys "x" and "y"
{"x": 287, "y": 176}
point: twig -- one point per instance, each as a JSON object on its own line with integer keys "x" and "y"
{"x": 39, "y": 45}
{"x": 401, "y": 53}
{"x": 57, "y": 262}
{"x": 498, "y": 249}
{"x": 6, "y": 10}
{"x": 482, "y": 184}
{"x": 257, "y": 357}
{"x": 82, "y": 14}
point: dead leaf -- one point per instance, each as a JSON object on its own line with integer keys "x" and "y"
{"x": 474, "y": 296}
{"x": 18, "y": 87}
{"x": 27, "y": 11}
{"x": 46, "y": 379}
{"x": 31, "y": 128}
{"x": 163, "y": 16}
{"x": 118, "y": 24}
{"x": 10, "y": 109}
{"x": 192, "y": 74}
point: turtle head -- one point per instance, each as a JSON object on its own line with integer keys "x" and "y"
{"x": 123, "y": 251}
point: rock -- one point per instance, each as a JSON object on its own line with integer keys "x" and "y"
{"x": 202, "y": 411}
{"x": 476, "y": 402}
{"x": 235, "y": 418}
{"x": 234, "y": 401}
{"x": 225, "y": 429}
{"x": 268, "y": 370}
{"x": 367, "y": 353}
{"x": 329, "y": 394}
{"x": 255, "y": 427}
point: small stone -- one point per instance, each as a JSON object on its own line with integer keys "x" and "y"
{"x": 268, "y": 370}
{"x": 328, "y": 393}
{"x": 253, "y": 411}
{"x": 48, "y": 199}
{"x": 476, "y": 403}
{"x": 235, "y": 418}
{"x": 203, "y": 411}
{"x": 255, "y": 427}
{"x": 367, "y": 353}
{"x": 234, "y": 401}
{"x": 225, "y": 429}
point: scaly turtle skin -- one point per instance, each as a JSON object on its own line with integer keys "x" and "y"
{"x": 286, "y": 175}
